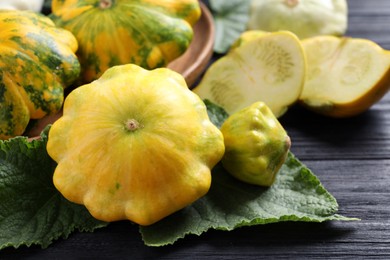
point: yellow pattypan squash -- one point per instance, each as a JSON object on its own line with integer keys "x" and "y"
{"x": 148, "y": 33}
{"x": 37, "y": 61}
{"x": 135, "y": 144}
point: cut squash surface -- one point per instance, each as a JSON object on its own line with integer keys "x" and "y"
{"x": 345, "y": 76}
{"x": 270, "y": 69}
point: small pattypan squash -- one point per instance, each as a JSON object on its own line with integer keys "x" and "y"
{"x": 256, "y": 145}
{"x": 135, "y": 144}
{"x": 37, "y": 61}
{"x": 149, "y": 33}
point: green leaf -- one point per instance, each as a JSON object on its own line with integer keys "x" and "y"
{"x": 32, "y": 211}
{"x": 47, "y": 3}
{"x": 46, "y": 8}
{"x": 216, "y": 113}
{"x": 296, "y": 195}
{"x": 230, "y": 19}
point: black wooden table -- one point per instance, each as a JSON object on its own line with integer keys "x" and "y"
{"x": 351, "y": 157}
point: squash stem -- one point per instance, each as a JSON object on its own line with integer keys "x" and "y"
{"x": 132, "y": 125}
{"x": 291, "y": 3}
{"x": 104, "y": 4}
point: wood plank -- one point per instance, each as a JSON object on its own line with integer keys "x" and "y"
{"x": 370, "y": 19}
{"x": 315, "y": 137}
{"x": 351, "y": 157}
{"x": 361, "y": 188}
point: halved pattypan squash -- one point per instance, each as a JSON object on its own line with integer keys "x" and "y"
{"x": 134, "y": 144}
{"x": 345, "y": 75}
{"x": 37, "y": 60}
{"x": 148, "y": 33}
{"x": 248, "y": 36}
{"x": 256, "y": 145}
{"x": 267, "y": 67}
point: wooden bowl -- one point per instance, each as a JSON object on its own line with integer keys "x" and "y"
{"x": 191, "y": 64}
{"x": 195, "y": 60}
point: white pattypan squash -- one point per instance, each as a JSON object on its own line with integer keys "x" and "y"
{"x": 305, "y": 18}
{"x": 32, "y": 5}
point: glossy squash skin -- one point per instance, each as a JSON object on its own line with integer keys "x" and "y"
{"x": 256, "y": 145}
{"x": 148, "y": 33}
{"x": 37, "y": 61}
{"x": 134, "y": 144}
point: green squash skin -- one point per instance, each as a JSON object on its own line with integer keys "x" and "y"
{"x": 14, "y": 115}
{"x": 65, "y": 67}
{"x": 36, "y": 64}
{"x": 256, "y": 145}
{"x": 148, "y": 35}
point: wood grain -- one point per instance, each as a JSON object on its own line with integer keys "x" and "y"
{"x": 195, "y": 60}
{"x": 350, "y": 156}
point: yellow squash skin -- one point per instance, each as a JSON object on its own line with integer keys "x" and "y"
{"x": 134, "y": 144}
{"x": 149, "y": 33}
{"x": 37, "y": 61}
{"x": 256, "y": 145}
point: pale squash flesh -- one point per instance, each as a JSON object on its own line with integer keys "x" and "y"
{"x": 270, "y": 68}
{"x": 346, "y": 76}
